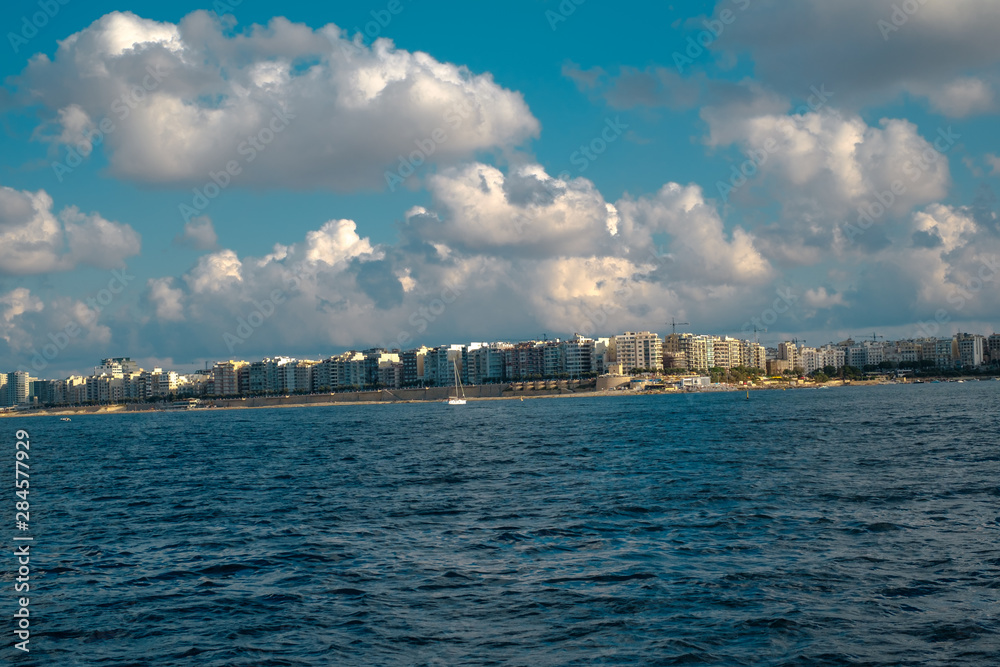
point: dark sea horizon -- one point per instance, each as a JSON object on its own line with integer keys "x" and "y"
{"x": 848, "y": 526}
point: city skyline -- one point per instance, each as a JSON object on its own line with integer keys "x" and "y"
{"x": 122, "y": 379}
{"x": 199, "y": 181}
{"x": 50, "y": 351}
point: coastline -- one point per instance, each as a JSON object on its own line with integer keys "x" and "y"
{"x": 379, "y": 398}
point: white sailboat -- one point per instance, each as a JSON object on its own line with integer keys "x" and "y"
{"x": 459, "y": 397}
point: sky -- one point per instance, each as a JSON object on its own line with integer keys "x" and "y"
{"x": 189, "y": 182}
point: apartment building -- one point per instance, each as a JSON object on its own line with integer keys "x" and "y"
{"x": 16, "y": 389}
{"x": 413, "y": 366}
{"x": 970, "y": 349}
{"x": 992, "y": 350}
{"x": 727, "y": 352}
{"x": 641, "y": 349}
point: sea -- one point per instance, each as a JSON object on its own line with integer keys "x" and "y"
{"x": 841, "y": 526}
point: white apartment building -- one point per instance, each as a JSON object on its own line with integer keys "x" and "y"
{"x": 970, "y": 349}
{"x": 163, "y": 383}
{"x": 902, "y": 352}
{"x": 700, "y": 352}
{"x": 578, "y": 356}
{"x": 225, "y": 375}
{"x": 298, "y": 375}
{"x": 727, "y": 352}
{"x": 17, "y": 388}
{"x": 788, "y": 352}
{"x": 874, "y": 353}
{"x": 484, "y": 362}
{"x": 754, "y": 355}
{"x": 944, "y": 353}
{"x": 810, "y": 359}
{"x": 641, "y": 349}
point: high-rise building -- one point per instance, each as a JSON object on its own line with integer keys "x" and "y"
{"x": 17, "y": 388}
{"x": 485, "y": 362}
{"x": 970, "y": 349}
{"x": 390, "y": 374}
{"x": 727, "y": 352}
{"x": 578, "y": 356}
{"x": 700, "y": 352}
{"x": 754, "y": 355}
{"x": 993, "y": 348}
{"x": 789, "y": 353}
{"x": 675, "y": 348}
{"x": 524, "y": 361}
{"x": 225, "y": 375}
{"x": 413, "y": 366}
{"x": 944, "y": 353}
{"x": 298, "y": 376}
{"x": 374, "y": 360}
{"x": 553, "y": 358}
{"x": 163, "y": 383}
{"x": 641, "y": 349}
{"x": 874, "y": 353}
{"x": 267, "y": 376}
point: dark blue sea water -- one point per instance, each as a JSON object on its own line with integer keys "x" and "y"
{"x": 855, "y": 526}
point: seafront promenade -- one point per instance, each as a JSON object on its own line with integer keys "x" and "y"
{"x": 490, "y": 392}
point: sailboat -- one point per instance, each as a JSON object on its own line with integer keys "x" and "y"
{"x": 459, "y": 397}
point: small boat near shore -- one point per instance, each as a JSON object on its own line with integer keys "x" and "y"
{"x": 65, "y": 419}
{"x": 459, "y": 397}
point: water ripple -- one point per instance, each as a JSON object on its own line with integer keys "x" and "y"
{"x": 847, "y": 527}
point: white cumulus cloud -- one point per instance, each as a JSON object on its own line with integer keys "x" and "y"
{"x": 34, "y": 240}
{"x": 289, "y": 106}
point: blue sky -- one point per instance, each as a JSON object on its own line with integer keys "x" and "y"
{"x": 578, "y": 172}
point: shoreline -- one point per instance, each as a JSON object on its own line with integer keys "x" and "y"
{"x": 355, "y": 398}
{"x": 123, "y": 409}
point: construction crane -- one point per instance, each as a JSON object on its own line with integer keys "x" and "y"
{"x": 673, "y": 325}
{"x": 756, "y": 342}
{"x": 755, "y": 330}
